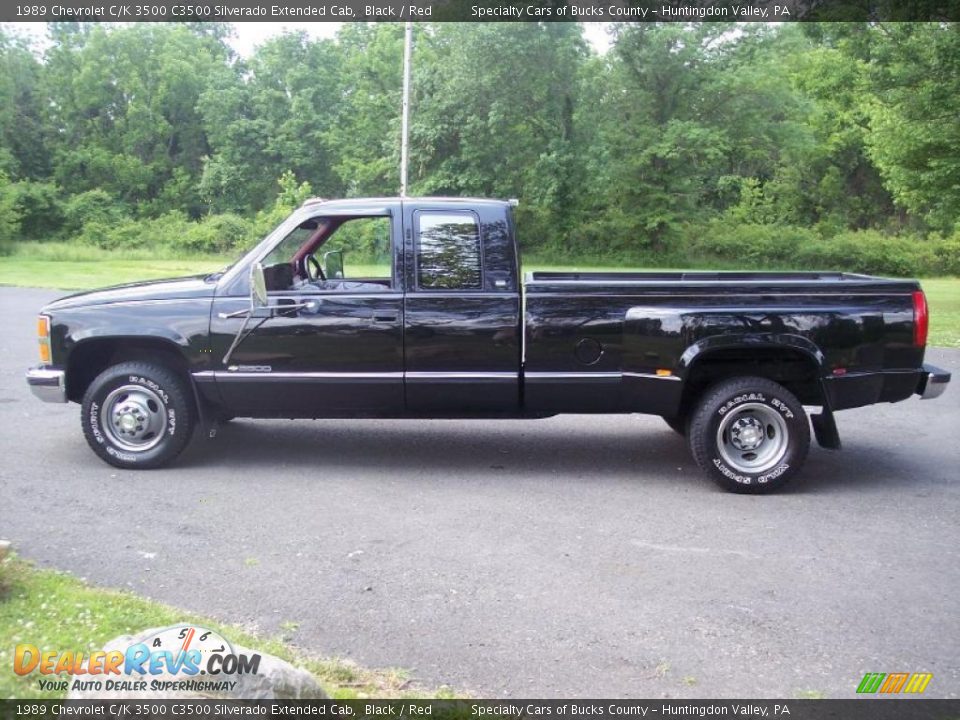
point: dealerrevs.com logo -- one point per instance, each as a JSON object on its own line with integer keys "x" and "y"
{"x": 178, "y": 658}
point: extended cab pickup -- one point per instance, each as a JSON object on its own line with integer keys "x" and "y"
{"x": 415, "y": 308}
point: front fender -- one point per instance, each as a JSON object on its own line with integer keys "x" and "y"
{"x": 181, "y": 325}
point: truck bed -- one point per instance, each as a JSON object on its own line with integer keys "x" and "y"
{"x": 631, "y": 339}
{"x": 560, "y": 281}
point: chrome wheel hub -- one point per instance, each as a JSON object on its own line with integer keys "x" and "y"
{"x": 747, "y": 433}
{"x": 753, "y": 438}
{"x": 134, "y": 418}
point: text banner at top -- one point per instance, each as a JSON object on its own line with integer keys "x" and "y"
{"x": 151, "y": 709}
{"x": 480, "y": 11}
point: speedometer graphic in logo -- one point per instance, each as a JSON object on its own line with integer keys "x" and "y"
{"x": 182, "y": 641}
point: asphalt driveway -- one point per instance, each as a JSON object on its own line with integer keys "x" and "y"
{"x": 577, "y": 556}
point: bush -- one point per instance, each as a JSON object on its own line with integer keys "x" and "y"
{"x": 9, "y": 216}
{"x": 40, "y": 208}
{"x": 215, "y": 234}
{"x": 92, "y": 206}
{"x": 759, "y": 246}
{"x": 947, "y": 253}
{"x": 290, "y": 197}
{"x": 872, "y": 252}
{"x": 127, "y": 234}
{"x": 534, "y": 227}
{"x": 747, "y": 245}
{"x": 609, "y": 233}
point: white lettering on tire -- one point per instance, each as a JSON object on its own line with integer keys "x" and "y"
{"x": 95, "y": 423}
{"x": 153, "y": 386}
{"x": 746, "y": 479}
{"x": 740, "y": 399}
{"x": 126, "y": 457}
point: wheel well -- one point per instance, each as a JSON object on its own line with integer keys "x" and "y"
{"x": 795, "y": 370}
{"x": 92, "y": 357}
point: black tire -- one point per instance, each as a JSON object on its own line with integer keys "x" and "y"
{"x": 150, "y": 411}
{"x": 749, "y": 434}
{"x": 677, "y": 424}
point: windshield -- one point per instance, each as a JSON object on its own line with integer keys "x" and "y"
{"x": 215, "y": 276}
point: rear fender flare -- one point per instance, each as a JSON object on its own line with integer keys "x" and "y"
{"x": 702, "y": 349}
{"x": 778, "y": 341}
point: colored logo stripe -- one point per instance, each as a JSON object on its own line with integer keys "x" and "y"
{"x": 871, "y": 682}
{"x": 918, "y": 682}
{"x": 894, "y": 683}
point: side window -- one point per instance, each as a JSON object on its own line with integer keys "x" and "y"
{"x": 448, "y": 251}
{"x": 365, "y": 244}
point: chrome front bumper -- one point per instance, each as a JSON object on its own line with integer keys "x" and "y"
{"x": 933, "y": 382}
{"x": 47, "y": 384}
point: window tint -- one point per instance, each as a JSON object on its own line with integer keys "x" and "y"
{"x": 448, "y": 252}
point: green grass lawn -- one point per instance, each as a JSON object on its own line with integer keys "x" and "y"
{"x": 943, "y": 294}
{"x": 56, "y": 611}
{"x": 89, "y": 274}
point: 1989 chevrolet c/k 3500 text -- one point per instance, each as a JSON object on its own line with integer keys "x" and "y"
{"x": 436, "y": 323}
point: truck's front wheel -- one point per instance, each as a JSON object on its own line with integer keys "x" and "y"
{"x": 137, "y": 415}
{"x": 749, "y": 434}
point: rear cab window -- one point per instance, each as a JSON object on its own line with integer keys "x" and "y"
{"x": 448, "y": 250}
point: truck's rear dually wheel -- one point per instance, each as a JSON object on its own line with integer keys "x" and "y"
{"x": 749, "y": 434}
{"x": 137, "y": 415}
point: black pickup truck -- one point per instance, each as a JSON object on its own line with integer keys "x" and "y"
{"x": 428, "y": 318}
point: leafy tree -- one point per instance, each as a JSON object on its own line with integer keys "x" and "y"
{"x": 124, "y": 104}
{"x": 272, "y": 115}
{"x": 914, "y": 111}
{"x": 749, "y": 134}
{"x": 23, "y": 128}
{"x": 366, "y": 128}
{"x": 508, "y": 131}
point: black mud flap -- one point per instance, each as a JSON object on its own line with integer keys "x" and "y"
{"x": 206, "y": 418}
{"x": 825, "y": 429}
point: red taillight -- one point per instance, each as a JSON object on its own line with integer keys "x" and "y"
{"x": 921, "y": 319}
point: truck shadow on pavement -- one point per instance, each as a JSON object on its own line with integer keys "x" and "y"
{"x": 406, "y": 446}
{"x": 481, "y": 450}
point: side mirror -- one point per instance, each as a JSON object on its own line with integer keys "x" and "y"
{"x": 333, "y": 264}
{"x": 258, "y": 287}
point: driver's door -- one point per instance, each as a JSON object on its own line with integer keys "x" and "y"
{"x": 340, "y": 354}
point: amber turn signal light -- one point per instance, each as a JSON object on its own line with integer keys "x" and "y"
{"x": 43, "y": 337}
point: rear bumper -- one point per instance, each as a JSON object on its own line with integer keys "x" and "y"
{"x": 866, "y": 388}
{"x": 48, "y": 384}
{"x": 932, "y": 382}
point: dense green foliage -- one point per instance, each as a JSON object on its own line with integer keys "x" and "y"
{"x": 752, "y": 145}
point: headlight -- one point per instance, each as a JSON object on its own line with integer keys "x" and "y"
{"x": 43, "y": 338}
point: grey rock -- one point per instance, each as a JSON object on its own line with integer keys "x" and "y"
{"x": 275, "y": 679}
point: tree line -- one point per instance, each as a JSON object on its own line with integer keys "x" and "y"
{"x": 686, "y": 143}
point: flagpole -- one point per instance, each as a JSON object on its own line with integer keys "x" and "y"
{"x": 405, "y": 122}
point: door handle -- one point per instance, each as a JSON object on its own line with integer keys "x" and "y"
{"x": 385, "y": 317}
